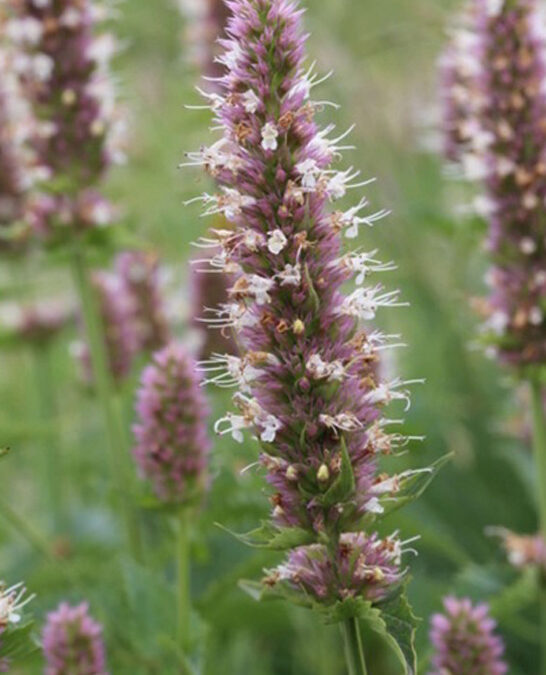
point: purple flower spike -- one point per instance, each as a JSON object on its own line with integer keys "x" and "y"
{"x": 172, "y": 444}
{"x": 465, "y": 642}
{"x": 121, "y": 339}
{"x": 364, "y": 566}
{"x": 139, "y": 275}
{"x": 309, "y": 386}
{"x": 64, "y": 71}
{"x": 501, "y": 141}
{"x": 73, "y": 643}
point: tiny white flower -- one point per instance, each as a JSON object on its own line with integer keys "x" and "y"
{"x": 42, "y": 67}
{"x": 11, "y": 604}
{"x": 493, "y": 7}
{"x": 250, "y": 101}
{"x": 290, "y": 275}
{"x": 101, "y": 214}
{"x": 259, "y": 287}
{"x": 497, "y": 322}
{"x": 270, "y": 135}
{"x": 530, "y": 201}
{"x": 309, "y": 171}
{"x": 276, "y": 241}
{"x": 528, "y": 246}
{"x": 505, "y": 166}
{"x": 235, "y": 426}
{"x": 270, "y": 425}
{"x": 536, "y": 316}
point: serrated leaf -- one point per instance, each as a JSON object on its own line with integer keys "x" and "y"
{"x": 272, "y": 537}
{"x": 412, "y": 486}
{"x": 401, "y": 628}
{"x": 343, "y": 486}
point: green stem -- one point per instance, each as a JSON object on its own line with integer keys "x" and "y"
{"x": 354, "y": 651}
{"x": 106, "y": 393}
{"x": 20, "y": 525}
{"x": 48, "y": 411}
{"x": 183, "y": 572}
{"x": 539, "y": 425}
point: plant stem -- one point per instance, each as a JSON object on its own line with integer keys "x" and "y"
{"x": 48, "y": 411}
{"x": 539, "y": 425}
{"x": 354, "y": 651}
{"x": 183, "y": 579}
{"x": 106, "y": 393}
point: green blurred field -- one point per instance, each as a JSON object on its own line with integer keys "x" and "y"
{"x": 383, "y": 53}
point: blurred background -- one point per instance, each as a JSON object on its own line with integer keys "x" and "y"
{"x": 384, "y": 58}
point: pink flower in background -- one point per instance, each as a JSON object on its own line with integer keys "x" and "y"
{"x": 464, "y": 640}
{"x": 138, "y": 272}
{"x": 121, "y": 339}
{"x": 73, "y": 642}
{"x": 172, "y": 443}
{"x": 494, "y": 126}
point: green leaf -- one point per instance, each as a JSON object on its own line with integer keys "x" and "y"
{"x": 412, "y": 486}
{"x": 272, "y": 537}
{"x": 401, "y": 627}
{"x": 343, "y": 487}
{"x": 516, "y": 596}
{"x": 17, "y": 641}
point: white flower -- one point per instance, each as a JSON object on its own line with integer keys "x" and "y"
{"x": 42, "y": 67}
{"x": 26, "y": 30}
{"x": 342, "y": 421}
{"x": 230, "y": 203}
{"x": 235, "y": 426}
{"x": 71, "y": 18}
{"x": 536, "y": 316}
{"x": 320, "y": 370}
{"x": 290, "y": 275}
{"x": 497, "y": 322}
{"x": 230, "y": 370}
{"x": 309, "y": 170}
{"x": 276, "y": 241}
{"x": 528, "y": 246}
{"x": 270, "y": 135}
{"x": 364, "y": 264}
{"x": 270, "y": 425}
{"x": 11, "y": 604}
{"x": 259, "y": 287}
{"x": 101, "y": 214}
{"x": 364, "y": 302}
{"x": 250, "y": 101}
{"x": 494, "y": 7}
{"x": 505, "y": 166}
{"x": 231, "y": 57}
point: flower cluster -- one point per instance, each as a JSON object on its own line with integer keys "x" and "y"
{"x": 464, "y": 640}
{"x": 461, "y": 96}
{"x": 138, "y": 272}
{"x": 17, "y": 163}
{"x": 73, "y": 643}
{"x": 12, "y": 601}
{"x": 308, "y": 383}
{"x": 522, "y": 550}
{"x": 63, "y": 68}
{"x": 363, "y": 566}
{"x": 206, "y": 22}
{"x": 120, "y": 336}
{"x": 37, "y": 324}
{"x": 501, "y": 136}
{"x": 172, "y": 444}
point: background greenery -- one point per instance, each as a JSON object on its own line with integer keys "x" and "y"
{"x": 384, "y": 55}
